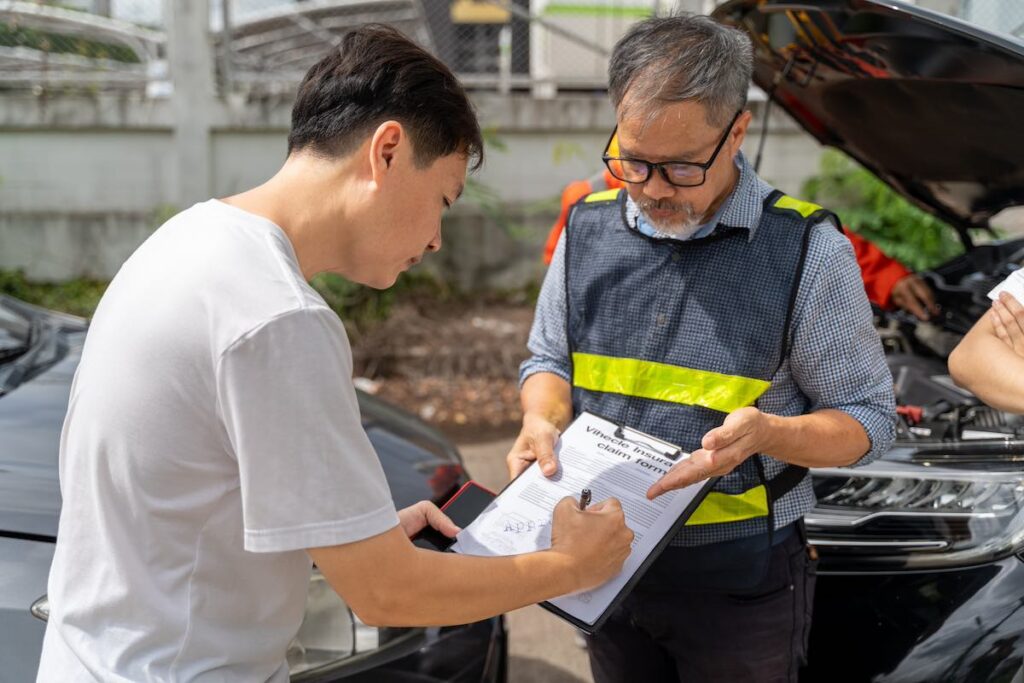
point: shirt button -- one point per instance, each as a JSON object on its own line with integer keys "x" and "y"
{"x": 662, "y": 318}
{"x": 676, "y": 256}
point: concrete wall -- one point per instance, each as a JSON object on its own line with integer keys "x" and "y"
{"x": 84, "y": 179}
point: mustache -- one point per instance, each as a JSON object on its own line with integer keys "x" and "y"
{"x": 663, "y": 205}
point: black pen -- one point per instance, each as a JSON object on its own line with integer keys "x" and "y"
{"x": 584, "y": 499}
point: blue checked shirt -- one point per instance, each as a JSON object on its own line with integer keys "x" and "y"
{"x": 836, "y": 360}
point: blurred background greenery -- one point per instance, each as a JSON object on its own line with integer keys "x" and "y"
{"x": 871, "y": 208}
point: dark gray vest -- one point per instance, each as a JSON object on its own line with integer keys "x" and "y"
{"x": 669, "y": 336}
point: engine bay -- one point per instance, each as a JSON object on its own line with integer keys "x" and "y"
{"x": 931, "y": 407}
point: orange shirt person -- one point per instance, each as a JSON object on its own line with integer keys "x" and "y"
{"x": 888, "y": 283}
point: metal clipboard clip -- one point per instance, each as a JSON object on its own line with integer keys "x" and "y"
{"x": 620, "y": 433}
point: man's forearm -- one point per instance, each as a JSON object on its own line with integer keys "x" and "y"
{"x": 987, "y": 367}
{"x": 795, "y": 439}
{"x": 390, "y": 582}
{"x": 799, "y": 440}
{"x": 549, "y": 397}
{"x": 464, "y": 589}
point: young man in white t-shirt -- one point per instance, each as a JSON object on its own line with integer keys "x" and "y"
{"x": 213, "y": 447}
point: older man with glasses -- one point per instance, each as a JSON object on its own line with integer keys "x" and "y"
{"x": 703, "y": 306}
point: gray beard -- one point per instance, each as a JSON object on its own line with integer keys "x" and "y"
{"x": 681, "y": 227}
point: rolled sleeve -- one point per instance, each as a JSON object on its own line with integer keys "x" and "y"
{"x": 548, "y": 344}
{"x": 837, "y": 358}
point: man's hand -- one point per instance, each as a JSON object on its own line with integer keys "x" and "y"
{"x": 915, "y": 296}
{"x": 745, "y": 432}
{"x": 417, "y": 517}
{"x": 536, "y": 442}
{"x": 596, "y": 540}
{"x": 1007, "y": 316}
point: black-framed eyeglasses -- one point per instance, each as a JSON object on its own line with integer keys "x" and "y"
{"x": 678, "y": 173}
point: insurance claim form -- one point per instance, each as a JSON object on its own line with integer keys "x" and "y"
{"x": 592, "y": 453}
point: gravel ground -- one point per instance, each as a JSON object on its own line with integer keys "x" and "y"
{"x": 455, "y": 366}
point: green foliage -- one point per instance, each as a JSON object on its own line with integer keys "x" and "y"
{"x": 493, "y": 141}
{"x": 12, "y": 35}
{"x": 567, "y": 151}
{"x": 78, "y": 297}
{"x": 871, "y": 208}
{"x": 488, "y": 199}
{"x": 161, "y": 213}
{"x": 361, "y": 307}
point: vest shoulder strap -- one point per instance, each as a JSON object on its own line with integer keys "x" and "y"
{"x": 597, "y": 206}
{"x": 784, "y": 482}
{"x": 602, "y": 197}
{"x": 782, "y": 204}
{"x": 810, "y": 214}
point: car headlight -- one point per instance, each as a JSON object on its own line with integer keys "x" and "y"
{"x": 332, "y": 636}
{"x": 916, "y": 515}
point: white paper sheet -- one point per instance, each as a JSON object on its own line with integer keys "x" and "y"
{"x": 1014, "y": 284}
{"x": 590, "y": 456}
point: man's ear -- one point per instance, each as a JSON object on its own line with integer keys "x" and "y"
{"x": 739, "y": 131}
{"x": 384, "y": 144}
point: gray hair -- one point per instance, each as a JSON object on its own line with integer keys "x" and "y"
{"x": 682, "y": 57}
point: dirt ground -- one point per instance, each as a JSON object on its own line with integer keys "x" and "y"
{"x": 455, "y": 366}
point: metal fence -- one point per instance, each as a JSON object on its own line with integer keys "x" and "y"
{"x": 541, "y": 45}
{"x": 76, "y": 44}
{"x": 266, "y": 45}
{"x": 496, "y": 44}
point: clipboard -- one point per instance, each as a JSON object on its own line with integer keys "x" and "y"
{"x": 667, "y": 450}
{"x": 591, "y": 629}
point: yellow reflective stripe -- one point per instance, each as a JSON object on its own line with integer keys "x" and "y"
{"x": 663, "y": 382}
{"x": 803, "y": 208}
{"x": 604, "y": 196}
{"x": 723, "y": 507}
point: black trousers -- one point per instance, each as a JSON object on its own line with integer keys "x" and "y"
{"x": 671, "y": 630}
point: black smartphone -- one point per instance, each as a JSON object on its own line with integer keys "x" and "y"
{"x": 463, "y": 507}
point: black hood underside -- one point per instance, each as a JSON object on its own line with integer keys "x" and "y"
{"x": 930, "y": 104}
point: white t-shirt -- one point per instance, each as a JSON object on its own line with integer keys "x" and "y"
{"x": 213, "y": 433}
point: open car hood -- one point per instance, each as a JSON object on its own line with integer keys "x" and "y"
{"x": 930, "y": 104}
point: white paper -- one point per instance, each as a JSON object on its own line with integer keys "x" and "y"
{"x": 1014, "y": 284}
{"x": 589, "y": 456}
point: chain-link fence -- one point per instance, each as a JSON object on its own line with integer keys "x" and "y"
{"x": 541, "y": 45}
{"x": 499, "y": 44}
{"x": 266, "y": 45}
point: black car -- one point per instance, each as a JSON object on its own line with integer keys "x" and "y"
{"x": 39, "y": 351}
{"x": 922, "y": 573}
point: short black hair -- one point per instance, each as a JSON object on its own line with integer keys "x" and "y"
{"x": 376, "y": 75}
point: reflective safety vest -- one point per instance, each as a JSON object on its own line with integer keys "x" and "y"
{"x": 670, "y": 336}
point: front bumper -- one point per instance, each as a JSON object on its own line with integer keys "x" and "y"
{"x": 956, "y": 625}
